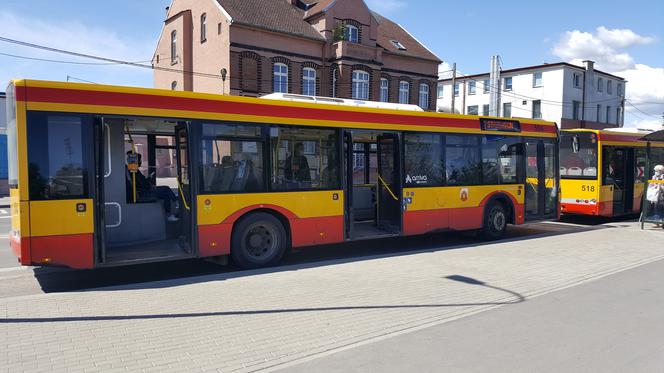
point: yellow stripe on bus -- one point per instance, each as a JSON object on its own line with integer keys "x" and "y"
{"x": 432, "y": 198}
{"x": 215, "y": 208}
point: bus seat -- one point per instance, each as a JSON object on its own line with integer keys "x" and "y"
{"x": 574, "y": 171}
{"x": 590, "y": 171}
{"x": 563, "y": 171}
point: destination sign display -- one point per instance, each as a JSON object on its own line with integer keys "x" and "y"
{"x": 501, "y": 125}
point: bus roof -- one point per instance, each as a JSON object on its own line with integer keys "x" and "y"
{"x": 119, "y": 100}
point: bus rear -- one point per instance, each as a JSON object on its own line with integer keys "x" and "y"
{"x": 579, "y": 172}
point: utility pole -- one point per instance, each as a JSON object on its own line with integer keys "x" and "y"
{"x": 453, "y": 84}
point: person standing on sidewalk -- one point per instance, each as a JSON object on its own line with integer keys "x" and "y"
{"x": 655, "y": 194}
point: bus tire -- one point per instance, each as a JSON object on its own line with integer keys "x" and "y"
{"x": 258, "y": 240}
{"x": 495, "y": 222}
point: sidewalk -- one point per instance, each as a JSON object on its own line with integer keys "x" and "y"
{"x": 4, "y": 202}
{"x": 263, "y": 319}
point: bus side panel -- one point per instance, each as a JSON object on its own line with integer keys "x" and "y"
{"x": 638, "y": 195}
{"x": 62, "y": 233}
{"x": 455, "y": 208}
{"x": 314, "y": 217}
{"x": 606, "y": 201}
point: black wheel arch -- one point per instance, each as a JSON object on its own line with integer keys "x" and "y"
{"x": 507, "y": 203}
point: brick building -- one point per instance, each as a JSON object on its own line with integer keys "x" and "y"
{"x": 337, "y": 48}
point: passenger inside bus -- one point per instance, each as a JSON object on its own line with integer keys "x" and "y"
{"x": 297, "y": 166}
{"x": 146, "y": 192}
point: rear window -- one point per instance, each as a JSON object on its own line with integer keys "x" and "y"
{"x": 57, "y": 157}
{"x": 578, "y": 155}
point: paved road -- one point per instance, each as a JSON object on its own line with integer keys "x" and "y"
{"x": 25, "y": 281}
{"x": 614, "y": 324}
{"x": 7, "y": 258}
{"x": 252, "y": 320}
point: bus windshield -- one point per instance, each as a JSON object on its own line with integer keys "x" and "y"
{"x": 578, "y": 155}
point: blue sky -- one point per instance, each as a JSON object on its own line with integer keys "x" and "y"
{"x": 625, "y": 38}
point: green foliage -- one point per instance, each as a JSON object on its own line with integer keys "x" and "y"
{"x": 339, "y": 32}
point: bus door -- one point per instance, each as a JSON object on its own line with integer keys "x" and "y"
{"x": 389, "y": 184}
{"x": 541, "y": 196}
{"x": 184, "y": 184}
{"x": 348, "y": 187}
{"x": 619, "y": 173}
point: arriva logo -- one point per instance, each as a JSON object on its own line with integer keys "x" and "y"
{"x": 417, "y": 179}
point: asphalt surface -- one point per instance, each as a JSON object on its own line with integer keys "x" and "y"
{"x": 614, "y": 324}
{"x": 7, "y": 258}
{"x": 16, "y": 280}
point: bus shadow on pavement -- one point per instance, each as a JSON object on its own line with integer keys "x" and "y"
{"x": 514, "y": 298}
{"x": 177, "y": 273}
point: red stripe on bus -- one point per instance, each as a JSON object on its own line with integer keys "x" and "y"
{"x": 82, "y": 97}
{"x": 214, "y": 239}
{"x": 21, "y": 248}
{"x": 316, "y": 231}
{"x": 73, "y": 251}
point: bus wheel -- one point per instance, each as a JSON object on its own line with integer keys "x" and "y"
{"x": 495, "y": 222}
{"x": 259, "y": 240}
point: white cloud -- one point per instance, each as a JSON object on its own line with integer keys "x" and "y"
{"x": 73, "y": 36}
{"x": 603, "y": 46}
{"x": 386, "y": 6}
{"x": 607, "y": 47}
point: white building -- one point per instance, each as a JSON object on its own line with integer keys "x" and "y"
{"x": 570, "y": 95}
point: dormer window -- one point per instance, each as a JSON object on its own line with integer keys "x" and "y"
{"x": 398, "y": 45}
{"x": 352, "y": 34}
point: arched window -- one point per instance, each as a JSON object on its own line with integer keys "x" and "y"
{"x": 309, "y": 81}
{"x": 360, "y": 85}
{"x": 280, "y": 74}
{"x": 174, "y": 46}
{"x": 404, "y": 92}
{"x": 384, "y": 89}
{"x": 203, "y": 27}
{"x": 174, "y": 85}
{"x": 352, "y": 34}
{"x": 424, "y": 96}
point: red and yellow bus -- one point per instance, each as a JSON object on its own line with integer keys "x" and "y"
{"x": 603, "y": 171}
{"x": 104, "y": 176}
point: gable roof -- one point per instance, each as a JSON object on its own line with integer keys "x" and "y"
{"x": 319, "y": 6}
{"x": 389, "y": 30}
{"x": 272, "y": 15}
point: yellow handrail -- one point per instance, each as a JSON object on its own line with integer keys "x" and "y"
{"x": 184, "y": 200}
{"x": 387, "y": 187}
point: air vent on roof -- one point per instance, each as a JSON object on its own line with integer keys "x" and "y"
{"x": 398, "y": 45}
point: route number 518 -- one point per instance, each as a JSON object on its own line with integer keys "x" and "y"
{"x": 587, "y": 188}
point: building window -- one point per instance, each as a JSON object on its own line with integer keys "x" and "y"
{"x": 609, "y": 87}
{"x": 424, "y": 96}
{"x": 456, "y": 89}
{"x": 599, "y": 112}
{"x": 537, "y": 79}
{"x": 219, "y": 28}
{"x": 360, "y": 85}
{"x": 203, "y": 27}
{"x": 486, "y": 85}
{"x": 351, "y": 34}
{"x": 485, "y": 109}
{"x": 471, "y": 88}
{"x": 618, "y": 115}
{"x": 620, "y": 90}
{"x": 174, "y": 85}
{"x": 309, "y": 81}
{"x": 507, "y": 109}
{"x": 576, "y": 106}
{"x": 537, "y": 109}
{"x": 472, "y": 110}
{"x": 508, "y": 83}
{"x": 608, "y": 114}
{"x": 576, "y": 79}
{"x": 384, "y": 90}
{"x": 280, "y": 74}
{"x": 600, "y": 84}
{"x": 398, "y": 45}
{"x": 404, "y": 92}
{"x": 441, "y": 89}
{"x": 174, "y": 46}
{"x": 334, "y": 82}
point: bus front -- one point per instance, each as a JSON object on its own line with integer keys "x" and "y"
{"x": 579, "y": 172}
{"x": 19, "y": 245}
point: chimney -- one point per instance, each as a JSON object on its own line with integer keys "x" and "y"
{"x": 590, "y": 65}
